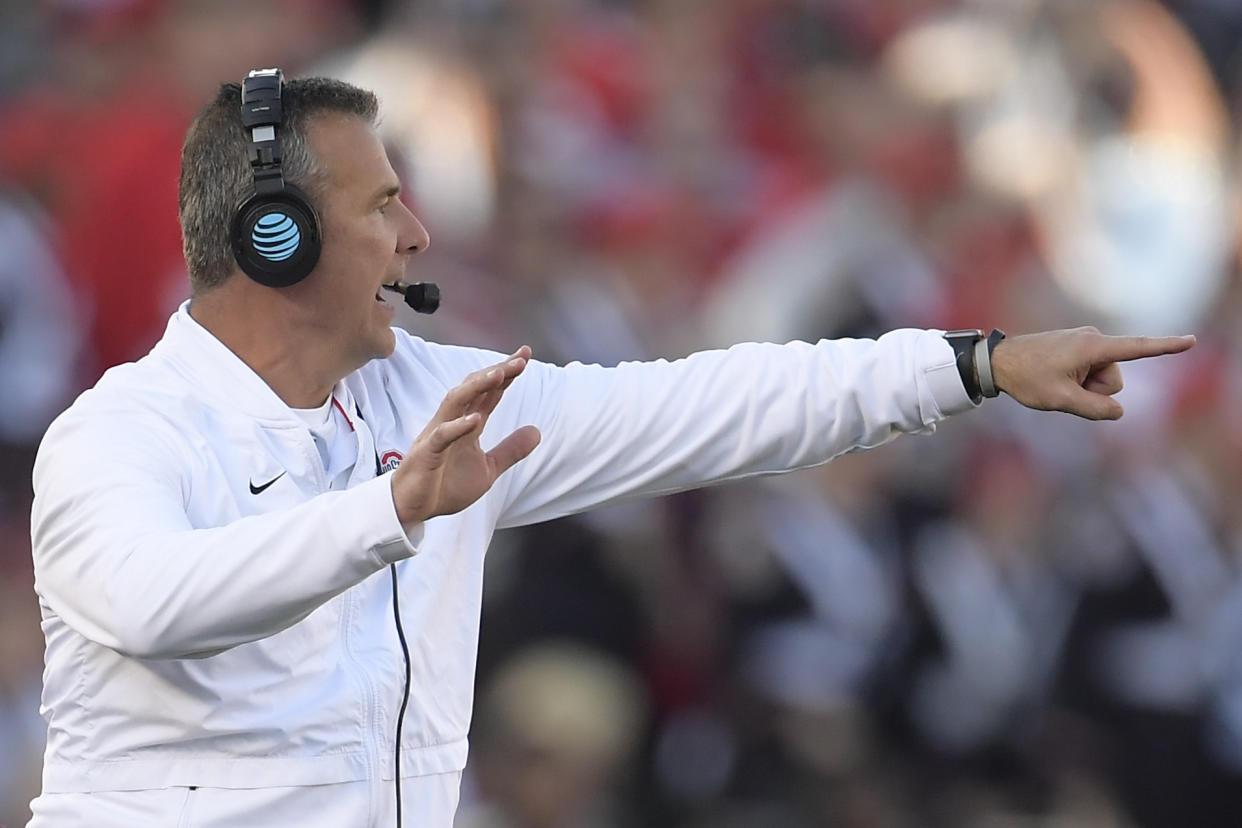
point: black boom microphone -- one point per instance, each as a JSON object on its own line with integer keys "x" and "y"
{"x": 423, "y": 297}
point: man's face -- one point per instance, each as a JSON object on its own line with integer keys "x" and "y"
{"x": 368, "y": 237}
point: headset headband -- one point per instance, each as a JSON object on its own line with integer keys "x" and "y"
{"x": 261, "y": 115}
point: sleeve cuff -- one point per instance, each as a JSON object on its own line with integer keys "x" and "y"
{"x": 395, "y": 544}
{"x": 944, "y": 384}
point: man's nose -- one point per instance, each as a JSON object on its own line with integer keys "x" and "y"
{"x": 414, "y": 238}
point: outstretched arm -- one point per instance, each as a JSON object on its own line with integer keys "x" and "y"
{"x": 651, "y": 428}
{"x": 643, "y": 429}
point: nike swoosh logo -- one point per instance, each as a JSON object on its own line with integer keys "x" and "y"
{"x": 259, "y": 489}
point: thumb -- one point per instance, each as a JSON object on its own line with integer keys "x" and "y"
{"x": 1092, "y": 405}
{"x": 517, "y": 446}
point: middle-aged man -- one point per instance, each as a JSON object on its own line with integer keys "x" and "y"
{"x": 259, "y": 549}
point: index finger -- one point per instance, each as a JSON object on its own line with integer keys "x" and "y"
{"x": 1124, "y": 348}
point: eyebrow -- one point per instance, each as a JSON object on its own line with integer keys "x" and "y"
{"x": 389, "y": 191}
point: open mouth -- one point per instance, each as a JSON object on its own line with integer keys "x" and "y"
{"x": 395, "y": 287}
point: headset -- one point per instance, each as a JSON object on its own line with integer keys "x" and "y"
{"x": 275, "y": 233}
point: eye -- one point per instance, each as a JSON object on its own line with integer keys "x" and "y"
{"x": 383, "y": 208}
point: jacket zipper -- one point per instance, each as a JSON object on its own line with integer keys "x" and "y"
{"x": 362, "y": 676}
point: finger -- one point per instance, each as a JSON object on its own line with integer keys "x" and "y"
{"x": 1105, "y": 380}
{"x": 513, "y": 364}
{"x": 445, "y": 434}
{"x": 463, "y": 398}
{"x": 1124, "y": 348}
{"x": 1091, "y": 406}
{"x": 485, "y": 403}
{"x": 488, "y": 402}
{"x": 484, "y": 380}
{"x": 515, "y": 447}
{"x": 516, "y": 363}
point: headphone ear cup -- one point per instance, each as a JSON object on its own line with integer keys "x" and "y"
{"x": 276, "y": 237}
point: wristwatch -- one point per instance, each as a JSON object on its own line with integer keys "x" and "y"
{"x": 972, "y": 350}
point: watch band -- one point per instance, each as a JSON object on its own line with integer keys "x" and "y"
{"x": 963, "y": 343}
{"x": 983, "y": 362}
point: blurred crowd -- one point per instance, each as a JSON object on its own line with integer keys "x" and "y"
{"x": 1026, "y": 620}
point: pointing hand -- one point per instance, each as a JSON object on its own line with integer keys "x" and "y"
{"x": 1075, "y": 371}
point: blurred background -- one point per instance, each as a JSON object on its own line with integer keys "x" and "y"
{"x": 1026, "y": 620}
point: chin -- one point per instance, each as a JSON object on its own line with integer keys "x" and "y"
{"x": 386, "y": 343}
{"x": 376, "y": 345}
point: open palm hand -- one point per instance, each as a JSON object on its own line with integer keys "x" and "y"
{"x": 446, "y": 468}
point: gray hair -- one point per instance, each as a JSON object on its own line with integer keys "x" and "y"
{"x": 215, "y": 166}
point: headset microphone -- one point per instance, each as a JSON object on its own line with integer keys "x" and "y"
{"x": 423, "y": 297}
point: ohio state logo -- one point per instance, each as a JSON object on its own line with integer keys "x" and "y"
{"x": 390, "y": 460}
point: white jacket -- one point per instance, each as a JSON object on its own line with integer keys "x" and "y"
{"x": 199, "y": 634}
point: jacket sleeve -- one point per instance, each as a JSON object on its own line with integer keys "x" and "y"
{"x": 117, "y": 559}
{"x": 659, "y": 427}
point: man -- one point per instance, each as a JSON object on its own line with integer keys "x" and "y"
{"x": 212, "y": 524}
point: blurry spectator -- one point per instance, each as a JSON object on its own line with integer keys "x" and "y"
{"x": 1104, "y": 119}
{"x": 97, "y": 142}
{"x": 22, "y": 732}
{"x": 557, "y": 724}
{"x": 39, "y": 336}
{"x": 998, "y": 611}
{"x": 20, "y": 25}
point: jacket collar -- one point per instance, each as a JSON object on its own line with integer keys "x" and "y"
{"x": 220, "y": 374}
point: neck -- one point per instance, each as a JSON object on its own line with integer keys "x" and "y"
{"x": 251, "y": 323}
